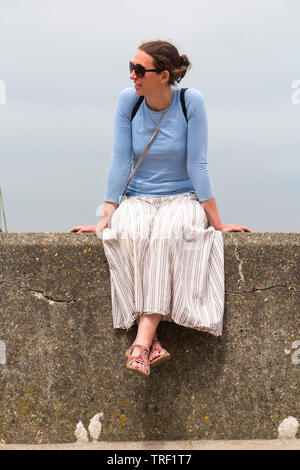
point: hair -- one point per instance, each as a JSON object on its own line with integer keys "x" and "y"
{"x": 166, "y": 57}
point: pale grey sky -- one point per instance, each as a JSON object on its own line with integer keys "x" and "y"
{"x": 64, "y": 63}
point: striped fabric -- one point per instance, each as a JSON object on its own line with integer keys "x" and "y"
{"x": 165, "y": 258}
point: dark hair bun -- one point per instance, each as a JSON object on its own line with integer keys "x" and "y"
{"x": 184, "y": 61}
{"x": 184, "y": 66}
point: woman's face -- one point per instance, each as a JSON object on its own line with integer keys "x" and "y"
{"x": 151, "y": 81}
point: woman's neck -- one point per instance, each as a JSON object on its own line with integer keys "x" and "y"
{"x": 159, "y": 101}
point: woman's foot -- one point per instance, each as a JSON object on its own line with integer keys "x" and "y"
{"x": 158, "y": 354}
{"x": 147, "y": 325}
{"x": 138, "y": 359}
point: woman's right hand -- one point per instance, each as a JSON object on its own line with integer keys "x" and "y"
{"x": 104, "y": 222}
{"x": 108, "y": 212}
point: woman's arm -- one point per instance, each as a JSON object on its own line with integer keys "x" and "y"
{"x": 197, "y": 145}
{"x": 212, "y": 214}
{"x": 214, "y": 220}
{"x": 121, "y": 160}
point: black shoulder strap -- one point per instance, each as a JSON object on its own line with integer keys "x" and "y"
{"x": 182, "y": 92}
{"x": 136, "y": 107}
{"x": 140, "y": 100}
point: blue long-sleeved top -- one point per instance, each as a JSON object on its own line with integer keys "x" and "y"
{"x": 176, "y": 161}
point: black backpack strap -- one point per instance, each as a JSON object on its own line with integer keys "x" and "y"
{"x": 136, "y": 107}
{"x": 140, "y": 100}
{"x": 182, "y": 92}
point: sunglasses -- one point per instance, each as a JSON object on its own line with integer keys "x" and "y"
{"x": 139, "y": 70}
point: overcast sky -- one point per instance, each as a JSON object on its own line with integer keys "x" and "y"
{"x": 64, "y": 63}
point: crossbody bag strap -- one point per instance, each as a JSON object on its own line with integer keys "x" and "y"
{"x": 147, "y": 147}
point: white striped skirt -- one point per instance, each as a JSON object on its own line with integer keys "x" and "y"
{"x": 165, "y": 258}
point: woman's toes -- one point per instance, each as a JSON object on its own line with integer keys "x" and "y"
{"x": 137, "y": 365}
{"x": 155, "y": 355}
{"x": 159, "y": 351}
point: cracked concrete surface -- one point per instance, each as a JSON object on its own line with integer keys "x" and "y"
{"x": 64, "y": 361}
{"x": 255, "y": 289}
{"x": 240, "y": 263}
{"x": 41, "y": 295}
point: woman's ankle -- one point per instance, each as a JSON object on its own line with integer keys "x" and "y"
{"x": 143, "y": 341}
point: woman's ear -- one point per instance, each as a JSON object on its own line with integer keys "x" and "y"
{"x": 165, "y": 75}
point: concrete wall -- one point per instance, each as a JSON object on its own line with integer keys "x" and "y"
{"x": 62, "y": 362}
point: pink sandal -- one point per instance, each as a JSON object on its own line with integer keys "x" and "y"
{"x": 160, "y": 359}
{"x": 140, "y": 359}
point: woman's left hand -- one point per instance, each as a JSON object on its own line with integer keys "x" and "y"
{"x": 234, "y": 228}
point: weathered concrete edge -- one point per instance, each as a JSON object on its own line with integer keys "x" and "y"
{"x": 253, "y": 444}
{"x": 243, "y": 237}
